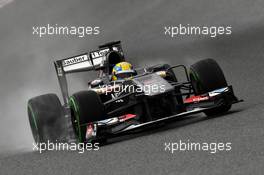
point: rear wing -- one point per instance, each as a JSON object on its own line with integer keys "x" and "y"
{"x": 94, "y": 60}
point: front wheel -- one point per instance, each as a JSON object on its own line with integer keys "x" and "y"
{"x": 86, "y": 107}
{"x": 206, "y": 75}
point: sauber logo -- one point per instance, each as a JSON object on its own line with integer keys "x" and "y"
{"x": 75, "y": 60}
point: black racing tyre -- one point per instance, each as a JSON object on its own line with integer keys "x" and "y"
{"x": 86, "y": 107}
{"x": 46, "y": 118}
{"x": 206, "y": 75}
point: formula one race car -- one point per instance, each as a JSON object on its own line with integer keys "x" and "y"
{"x": 110, "y": 107}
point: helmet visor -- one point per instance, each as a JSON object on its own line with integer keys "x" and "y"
{"x": 124, "y": 75}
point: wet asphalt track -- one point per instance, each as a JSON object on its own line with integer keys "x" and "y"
{"x": 26, "y": 70}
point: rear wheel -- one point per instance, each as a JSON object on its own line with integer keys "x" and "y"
{"x": 206, "y": 75}
{"x": 46, "y": 118}
{"x": 86, "y": 107}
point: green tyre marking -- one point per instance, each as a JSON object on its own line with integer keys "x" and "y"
{"x": 33, "y": 116}
{"x": 77, "y": 115}
{"x": 195, "y": 76}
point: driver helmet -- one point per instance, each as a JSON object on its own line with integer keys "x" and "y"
{"x": 122, "y": 70}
